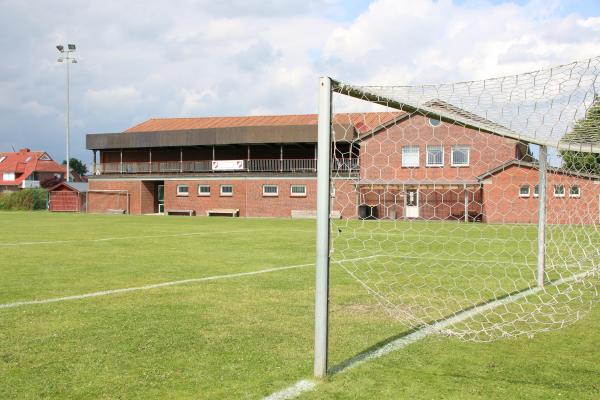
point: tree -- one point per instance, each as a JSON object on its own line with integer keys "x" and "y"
{"x": 586, "y": 130}
{"x": 77, "y": 165}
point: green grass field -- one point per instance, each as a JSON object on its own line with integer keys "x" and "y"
{"x": 251, "y": 335}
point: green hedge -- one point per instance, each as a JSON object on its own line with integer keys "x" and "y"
{"x": 24, "y": 200}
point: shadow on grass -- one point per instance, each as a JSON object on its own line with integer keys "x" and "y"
{"x": 434, "y": 326}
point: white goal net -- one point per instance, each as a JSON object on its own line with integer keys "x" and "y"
{"x": 471, "y": 208}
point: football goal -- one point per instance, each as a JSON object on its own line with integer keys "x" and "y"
{"x": 469, "y": 209}
{"x": 108, "y": 201}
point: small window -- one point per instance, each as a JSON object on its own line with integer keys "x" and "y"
{"x": 2, "y": 158}
{"x": 27, "y": 160}
{"x": 460, "y": 156}
{"x": 536, "y": 191}
{"x": 226, "y": 190}
{"x": 270, "y": 190}
{"x": 434, "y": 122}
{"x": 8, "y": 176}
{"x": 183, "y": 190}
{"x": 298, "y": 190}
{"x": 559, "y": 191}
{"x": 410, "y": 156}
{"x": 435, "y": 156}
{"x": 574, "y": 191}
{"x": 203, "y": 190}
{"x": 45, "y": 157}
{"x": 524, "y": 191}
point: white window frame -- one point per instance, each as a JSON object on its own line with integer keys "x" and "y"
{"x": 528, "y": 194}
{"x": 297, "y": 194}
{"x": 427, "y": 163}
{"x": 203, "y": 194}
{"x": 412, "y": 164}
{"x": 536, "y": 191}
{"x": 225, "y": 194}
{"x": 270, "y": 194}
{"x": 181, "y": 186}
{"x": 457, "y": 147}
{"x": 578, "y": 191}
{"x": 559, "y": 194}
{"x": 2, "y": 158}
{"x": 8, "y": 176}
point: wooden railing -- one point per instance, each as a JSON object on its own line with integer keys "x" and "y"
{"x": 204, "y": 166}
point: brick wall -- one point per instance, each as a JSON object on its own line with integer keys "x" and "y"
{"x": 502, "y": 203}
{"x": 99, "y": 202}
{"x": 247, "y": 196}
{"x": 381, "y": 154}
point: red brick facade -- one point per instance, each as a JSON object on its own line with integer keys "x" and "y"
{"x": 504, "y": 204}
{"x": 442, "y": 189}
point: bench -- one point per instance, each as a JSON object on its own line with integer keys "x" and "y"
{"x": 115, "y": 211}
{"x": 234, "y": 212}
{"x": 181, "y": 212}
{"x": 312, "y": 214}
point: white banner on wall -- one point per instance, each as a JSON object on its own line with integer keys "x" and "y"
{"x": 228, "y": 165}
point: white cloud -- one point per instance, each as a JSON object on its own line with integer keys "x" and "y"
{"x": 121, "y": 97}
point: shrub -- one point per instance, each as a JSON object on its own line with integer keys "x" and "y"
{"x": 24, "y": 200}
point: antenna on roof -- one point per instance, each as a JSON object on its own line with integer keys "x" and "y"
{"x": 13, "y": 148}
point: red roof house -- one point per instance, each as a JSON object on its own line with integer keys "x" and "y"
{"x": 28, "y": 169}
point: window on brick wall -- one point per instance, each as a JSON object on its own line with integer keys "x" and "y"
{"x": 270, "y": 190}
{"x": 536, "y": 191}
{"x": 574, "y": 191}
{"x": 226, "y": 190}
{"x": 183, "y": 190}
{"x": 298, "y": 190}
{"x": 524, "y": 191}
{"x": 203, "y": 190}
{"x": 460, "y": 156}
{"x": 410, "y": 156}
{"x": 559, "y": 191}
{"x": 435, "y": 156}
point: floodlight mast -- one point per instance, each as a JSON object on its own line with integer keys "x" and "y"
{"x": 323, "y": 210}
{"x": 66, "y": 56}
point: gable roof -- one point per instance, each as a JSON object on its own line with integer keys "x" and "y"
{"x": 534, "y": 165}
{"x": 81, "y": 187}
{"x": 25, "y": 162}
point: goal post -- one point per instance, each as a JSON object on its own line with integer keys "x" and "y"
{"x": 469, "y": 208}
{"x": 323, "y": 227}
{"x": 107, "y": 201}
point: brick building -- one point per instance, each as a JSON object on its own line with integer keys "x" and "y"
{"x": 386, "y": 165}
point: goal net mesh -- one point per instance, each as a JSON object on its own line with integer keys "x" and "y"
{"x": 438, "y": 189}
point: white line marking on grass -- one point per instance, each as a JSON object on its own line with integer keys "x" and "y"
{"x": 157, "y": 285}
{"x": 293, "y": 391}
{"x": 297, "y": 389}
{"x": 108, "y": 239}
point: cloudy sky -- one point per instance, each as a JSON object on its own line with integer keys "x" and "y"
{"x": 141, "y": 58}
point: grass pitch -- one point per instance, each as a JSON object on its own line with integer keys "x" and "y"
{"x": 240, "y": 337}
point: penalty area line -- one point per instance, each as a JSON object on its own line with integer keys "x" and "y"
{"x": 159, "y": 285}
{"x": 306, "y": 385}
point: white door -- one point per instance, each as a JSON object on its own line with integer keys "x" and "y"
{"x": 411, "y": 203}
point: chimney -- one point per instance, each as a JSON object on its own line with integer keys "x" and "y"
{"x": 25, "y": 150}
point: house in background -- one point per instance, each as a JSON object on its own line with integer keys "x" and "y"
{"x": 28, "y": 169}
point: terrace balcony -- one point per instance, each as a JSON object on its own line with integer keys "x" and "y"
{"x": 349, "y": 165}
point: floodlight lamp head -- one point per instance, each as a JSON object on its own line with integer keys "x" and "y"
{"x": 71, "y": 47}
{"x": 60, "y": 60}
{"x": 60, "y": 47}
